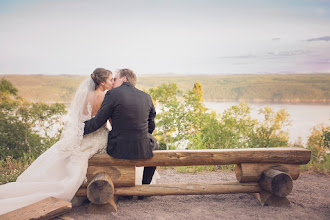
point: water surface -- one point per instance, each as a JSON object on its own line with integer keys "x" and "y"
{"x": 303, "y": 117}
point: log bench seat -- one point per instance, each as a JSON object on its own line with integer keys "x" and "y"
{"x": 266, "y": 173}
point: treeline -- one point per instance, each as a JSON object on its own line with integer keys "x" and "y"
{"x": 280, "y": 88}
{"x": 296, "y": 88}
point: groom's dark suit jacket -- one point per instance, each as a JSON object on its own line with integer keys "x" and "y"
{"x": 132, "y": 114}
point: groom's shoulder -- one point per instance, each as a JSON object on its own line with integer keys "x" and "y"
{"x": 114, "y": 91}
{"x": 122, "y": 90}
{"x": 143, "y": 93}
{"x": 112, "y": 94}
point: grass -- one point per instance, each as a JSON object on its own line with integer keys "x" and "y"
{"x": 11, "y": 168}
{"x": 195, "y": 169}
{"x": 322, "y": 167}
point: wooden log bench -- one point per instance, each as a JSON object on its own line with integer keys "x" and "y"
{"x": 266, "y": 173}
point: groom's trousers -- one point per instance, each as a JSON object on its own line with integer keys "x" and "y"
{"x": 148, "y": 173}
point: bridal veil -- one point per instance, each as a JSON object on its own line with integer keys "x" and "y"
{"x": 61, "y": 169}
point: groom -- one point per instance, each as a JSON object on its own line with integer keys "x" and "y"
{"x": 132, "y": 114}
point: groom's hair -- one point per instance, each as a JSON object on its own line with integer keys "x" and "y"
{"x": 129, "y": 74}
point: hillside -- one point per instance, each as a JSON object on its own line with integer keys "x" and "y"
{"x": 288, "y": 88}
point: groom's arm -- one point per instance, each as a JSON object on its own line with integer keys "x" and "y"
{"x": 102, "y": 115}
{"x": 151, "y": 119}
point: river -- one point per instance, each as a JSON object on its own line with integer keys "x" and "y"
{"x": 303, "y": 117}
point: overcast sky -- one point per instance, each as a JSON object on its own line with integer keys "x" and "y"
{"x": 185, "y": 37}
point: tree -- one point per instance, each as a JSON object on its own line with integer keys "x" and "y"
{"x": 183, "y": 118}
{"x": 269, "y": 131}
{"x": 194, "y": 107}
{"x": 180, "y": 114}
{"x": 25, "y": 127}
{"x": 318, "y": 142}
{"x": 231, "y": 129}
{"x": 169, "y": 116}
{"x": 235, "y": 128}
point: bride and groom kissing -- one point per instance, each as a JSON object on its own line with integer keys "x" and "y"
{"x": 60, "y": 170}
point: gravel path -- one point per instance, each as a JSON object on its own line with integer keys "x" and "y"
{"x": 310, "y": 199}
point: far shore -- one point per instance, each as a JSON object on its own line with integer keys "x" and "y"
{"x": 310, "y": 89}
{"x": 293, "y": 102}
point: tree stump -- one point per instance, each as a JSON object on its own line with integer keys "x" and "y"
{"x": 276, "y": 182}
{"x": 100, "y": 192}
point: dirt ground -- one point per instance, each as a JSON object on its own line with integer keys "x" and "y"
{"x": 310, "y": 199}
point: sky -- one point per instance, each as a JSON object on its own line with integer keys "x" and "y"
{"x": 165, "y": 36}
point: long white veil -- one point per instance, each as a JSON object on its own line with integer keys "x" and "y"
{"x": 80, "y": 111}
{"x": 61, "y": 169}
{"x": 72, "y": 134}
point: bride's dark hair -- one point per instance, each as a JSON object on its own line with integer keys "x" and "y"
{"x": 100, "y": 75}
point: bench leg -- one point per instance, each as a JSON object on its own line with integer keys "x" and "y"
{"x": 78, "y": 200}
{"x": 102, "y": 209}
{"x": 267, "y": 199}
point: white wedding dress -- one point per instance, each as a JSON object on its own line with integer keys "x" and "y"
{"x": 60, "y": 171}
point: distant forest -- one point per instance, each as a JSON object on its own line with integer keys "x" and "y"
{"x": 278, "y": 88}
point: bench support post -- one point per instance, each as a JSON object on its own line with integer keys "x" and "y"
{"x": 267, "y": 199}
{"x": 100, "y": 192}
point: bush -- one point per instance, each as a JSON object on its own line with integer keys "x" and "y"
{"x": 318, "y": 144}
{"x": 26, "y": 130}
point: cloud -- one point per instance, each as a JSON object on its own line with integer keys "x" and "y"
{"x": 287, "y": 53}
{"x": 323, "y": 61}
{"x": 276, "y": 39}
{"x": 325, "y": 38}
{"x": 267, "y": 55}
{"x": 238, "y": 57}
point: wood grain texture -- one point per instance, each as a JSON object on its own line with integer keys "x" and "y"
{"x": 276, "y": 182}
{"x": 251, "y": 172}
{"x": 120, "y": 175}
{"x": 45, "y": 209}
{"x": 81, "y": 192}
{"x": 287, "y": 155}
{"x": 101, "y": 189}
{"x": 188, "y": 189}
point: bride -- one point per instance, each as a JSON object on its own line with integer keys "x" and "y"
{"x": 60, "y": 171}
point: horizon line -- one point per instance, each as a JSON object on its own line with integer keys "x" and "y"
{"x": 173, "y": 74}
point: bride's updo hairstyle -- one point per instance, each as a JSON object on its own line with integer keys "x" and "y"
{"x": 100, "y": 75}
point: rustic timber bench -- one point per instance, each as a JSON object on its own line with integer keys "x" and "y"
{"x": 267, "y": 173}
